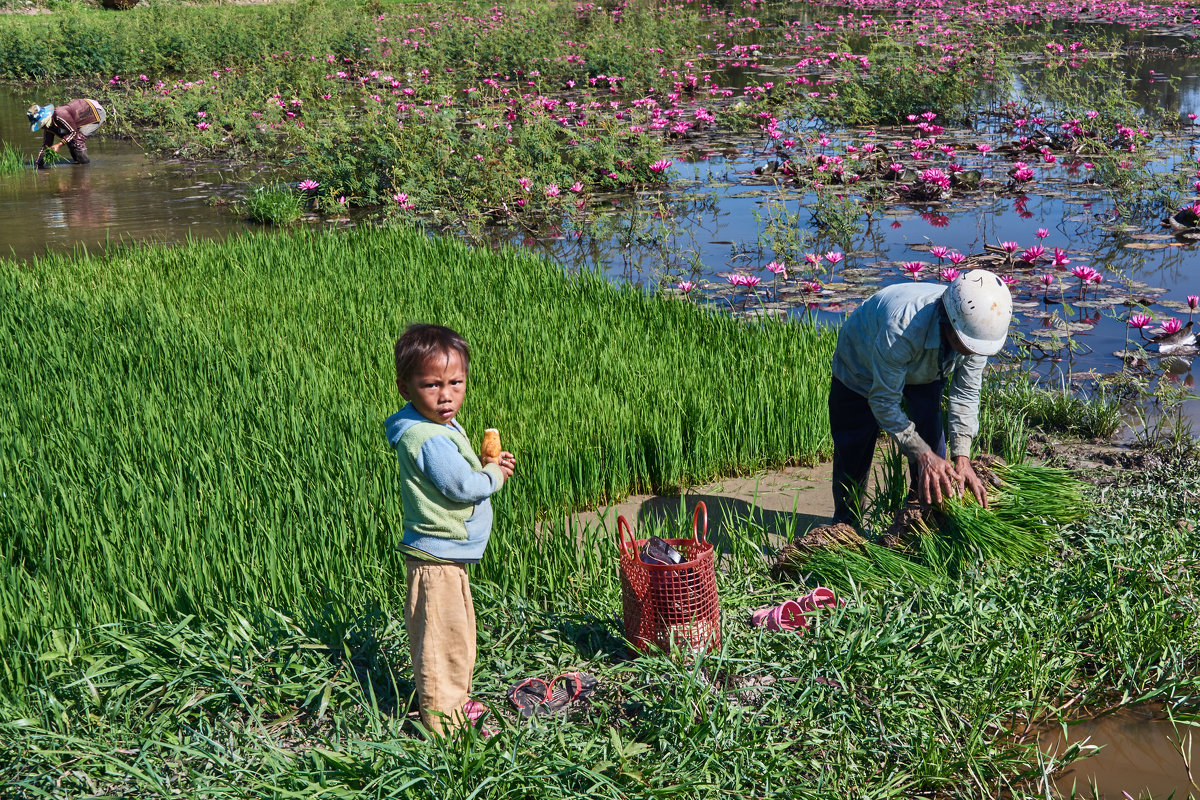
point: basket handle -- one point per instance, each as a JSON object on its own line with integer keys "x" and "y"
{"x": 626, "y": 544}
{"x": 700, "y": 530}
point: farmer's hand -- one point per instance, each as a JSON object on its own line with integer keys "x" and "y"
{"x": 506, "y": 461}
{"x": 962, "y": 465}
{"x": 55, "y": 146}
{"x": 936, "y": 478}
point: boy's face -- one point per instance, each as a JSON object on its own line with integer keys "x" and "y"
{"x": 437, "y": 388}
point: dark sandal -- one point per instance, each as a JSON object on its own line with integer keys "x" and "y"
{"x": 529, "y": 696}
{"x": 568, "y": 688}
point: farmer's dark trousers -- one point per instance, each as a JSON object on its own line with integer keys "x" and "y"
{"x": 854, "y": 434}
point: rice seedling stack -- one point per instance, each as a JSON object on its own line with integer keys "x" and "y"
{"x": 1019, "y": 524}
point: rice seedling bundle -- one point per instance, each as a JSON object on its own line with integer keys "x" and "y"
{"x": 1019, "y": 523}
{"x": 187, "y": 428}
{"x": 11, "y": 160}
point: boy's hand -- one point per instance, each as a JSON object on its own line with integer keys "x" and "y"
{"x": 506, "y": 461}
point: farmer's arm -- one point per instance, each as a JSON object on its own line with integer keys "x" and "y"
{"x": 452, "y": 474}
{"x": 47, "y": 141}
{"x": 963, "y": 419}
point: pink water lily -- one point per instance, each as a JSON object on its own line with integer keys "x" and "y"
{"x": 1060, "y": 258}
{"x": 1033, "y": 254}
{"x": 1193, "y": 301}
{"x": 811, "y": 286}
{"x": 833, "y": 257}
{"x": 1139, "y": 321}
{"x": 1047, "y": 279}
{"x": 661, "y": 165}
{"x": 1041, "y": 233}
{"x": 777, "y": 268}
{"x": 914, "y": 268}
{"x": 939, "y": 251}
{"x": 552, "y": 190}
{"x": 1010, "y": 247}
{"x": 948, "y": 274}
{"x": 1171, "y": 325}
{"x": 307, "y": 185}
{"x": 685, "y": 286}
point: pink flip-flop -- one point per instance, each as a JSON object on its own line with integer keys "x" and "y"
{"x": 787, "y": 616}
{"x": 474, "y": 711}
{"x": 819, "y": 598}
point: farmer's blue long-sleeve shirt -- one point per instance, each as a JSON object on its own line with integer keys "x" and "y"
{"x": 894, "y": 339}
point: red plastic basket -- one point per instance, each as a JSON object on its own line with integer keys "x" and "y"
{"x": 673, "y": 605}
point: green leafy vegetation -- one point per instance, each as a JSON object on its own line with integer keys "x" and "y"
{"x": 201, "y": 426}
{"x": 908, "y": 690}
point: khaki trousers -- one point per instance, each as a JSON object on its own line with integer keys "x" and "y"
{"x": 440, "y": 616}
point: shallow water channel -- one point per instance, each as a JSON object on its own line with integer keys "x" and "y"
{"x": 1141, "y": 755}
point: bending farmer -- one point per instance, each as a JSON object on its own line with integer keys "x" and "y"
{"x": 73, "y": 123}
{"x": 900, "y": 345}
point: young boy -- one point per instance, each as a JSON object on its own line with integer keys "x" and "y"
{"x": 447, "y": 519}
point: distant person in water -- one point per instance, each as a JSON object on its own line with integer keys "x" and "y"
{"x": 72, "y": 123}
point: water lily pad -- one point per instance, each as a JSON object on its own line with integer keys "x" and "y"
{"x": 1146, "y": 245}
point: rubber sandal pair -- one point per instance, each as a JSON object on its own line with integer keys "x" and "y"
{"x": 535, "y": 697}
{"x": 792, "y": 615}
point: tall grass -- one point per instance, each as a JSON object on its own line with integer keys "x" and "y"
{"x": 199, "y": 426}
{"x": 1020, "y": 523}
{"x": 11, "y": 159}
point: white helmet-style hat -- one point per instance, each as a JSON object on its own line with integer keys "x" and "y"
{"x": 979, "y": 307}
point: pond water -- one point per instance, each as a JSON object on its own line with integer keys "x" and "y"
{"x": 1141, "y": 755}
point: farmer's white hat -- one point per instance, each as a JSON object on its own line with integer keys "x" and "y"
{"x": 979, "y": 307}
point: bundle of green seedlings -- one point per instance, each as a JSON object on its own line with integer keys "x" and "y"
{"x": 1019, "y": 523}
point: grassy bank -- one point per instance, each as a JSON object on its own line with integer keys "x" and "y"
{"x": 201, "y": 426}
{"x": 922, "y": 691}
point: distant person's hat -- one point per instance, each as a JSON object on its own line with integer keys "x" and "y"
{"x": 39, "y": 115}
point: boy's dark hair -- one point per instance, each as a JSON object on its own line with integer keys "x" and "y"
{"x": 420, "y": 342}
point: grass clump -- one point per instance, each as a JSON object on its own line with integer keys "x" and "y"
{"x": 1055, "y": 410}
{"x": 273, "y": 205}
{"x": 11, "y": 159}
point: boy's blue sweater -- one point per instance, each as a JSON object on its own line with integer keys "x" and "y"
{"x": 444, "y": 488}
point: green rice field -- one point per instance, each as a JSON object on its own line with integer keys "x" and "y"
{"x": 201, "y": 426}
